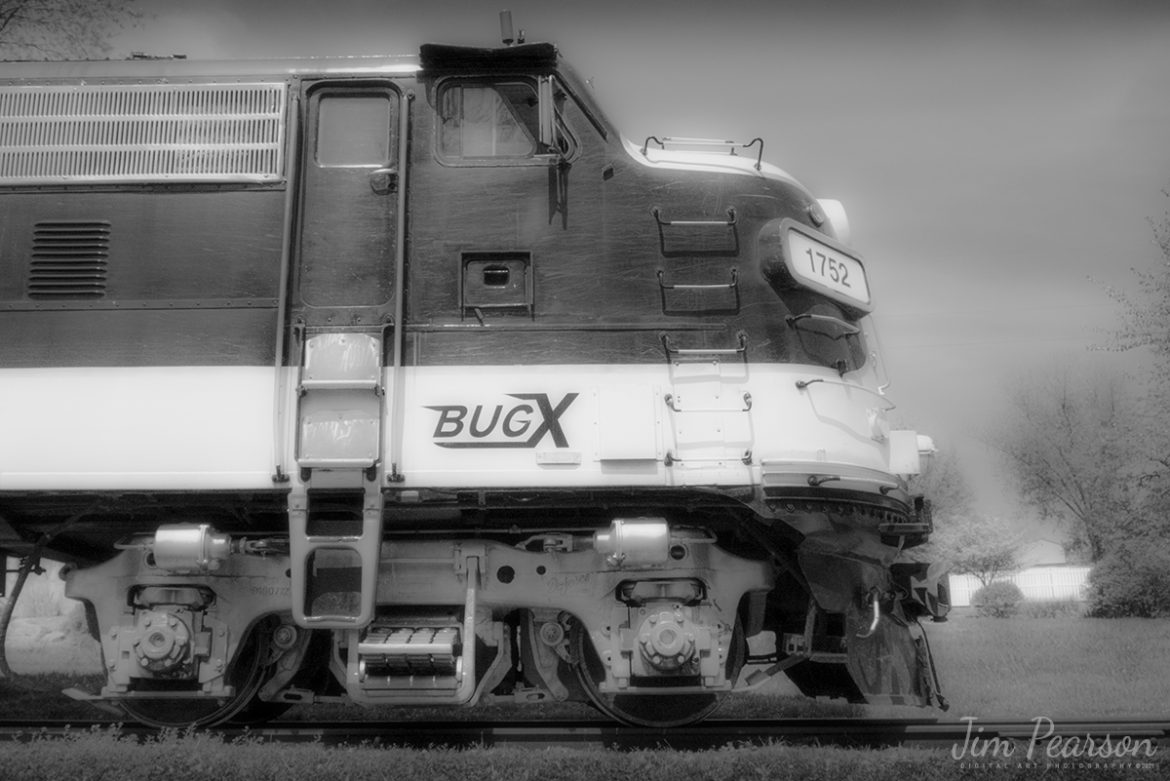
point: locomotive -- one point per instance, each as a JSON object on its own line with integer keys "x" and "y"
{"x": 411, "y": 381}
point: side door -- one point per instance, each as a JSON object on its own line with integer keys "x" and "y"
{"x": 348, "y": 227}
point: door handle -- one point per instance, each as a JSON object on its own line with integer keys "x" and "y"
{"x": 384, "y": 180}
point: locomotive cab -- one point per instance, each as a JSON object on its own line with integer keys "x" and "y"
{"x": 410, "y": 381}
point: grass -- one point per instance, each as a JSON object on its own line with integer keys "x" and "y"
{"x": 1064, "y": 667}
{"x": 1052, "y": 608}
{"x": 107, "y": 755}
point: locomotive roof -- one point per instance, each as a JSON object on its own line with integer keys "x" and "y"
{"x": 192, "y": 69}
{"x": 432, "y": 57}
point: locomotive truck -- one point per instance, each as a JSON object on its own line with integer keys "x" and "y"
{"x": 411, "y": 381}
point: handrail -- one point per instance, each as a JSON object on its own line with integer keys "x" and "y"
{"x": 804, "y": 384}
{"x": 673, "y": 401}
{"x": 731, "y": 145}
{"x": 740, "y": 336}
{"x": 730, "y": 222}
{"x": 847, "y": 329}
{"x": 717, "y": 286}
{"x": 397, "y": 409}
{"x": 759, "y": 155}
{"x": 730, "y": 225}
{"x": 875, "y": 603}
{"x": 279, "y": 406}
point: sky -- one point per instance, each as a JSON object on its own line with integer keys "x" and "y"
{"x": 1001, "y": 162}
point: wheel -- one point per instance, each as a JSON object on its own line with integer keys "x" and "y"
{"x": 257, "y": 711}
{"x": 658, "y": 711}
{"x": 246, "y": 676}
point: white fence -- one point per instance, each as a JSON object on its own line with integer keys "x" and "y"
{"x": 1039, "y": 584}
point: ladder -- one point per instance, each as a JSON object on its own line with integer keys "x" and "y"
{"x": 335, "y": 508}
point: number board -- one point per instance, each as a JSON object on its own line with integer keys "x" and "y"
{"x": 821, "y": 264}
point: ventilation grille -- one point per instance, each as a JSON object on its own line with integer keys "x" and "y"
{"x": 141, "y": 133}
{"x": 69, "y": 260}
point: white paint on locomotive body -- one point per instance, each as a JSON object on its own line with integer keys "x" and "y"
{"x": 212, "y": 428}
{"x": 712, "y": 423}
{"x": 149, "y": 428}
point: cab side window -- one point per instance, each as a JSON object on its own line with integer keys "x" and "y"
{"x": 502, "y": 122}
{"x": 481, "y": 120}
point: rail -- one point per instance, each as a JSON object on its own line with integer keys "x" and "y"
{"x": 713, "y": 733}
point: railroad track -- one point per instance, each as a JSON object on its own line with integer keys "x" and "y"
{"x": 970, "y": 735}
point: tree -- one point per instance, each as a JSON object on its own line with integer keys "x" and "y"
{"x": 1146, "y": 324}
{"x": 980, "y": 545}
{"x": 1146, "y": 321}
{"x": 1096, "y": 452}
{"x": 1070, "y": 445}
{"x": 1133, "y": 579}
{"x": 945, "y": 486}
{"x": 61, "y": 29}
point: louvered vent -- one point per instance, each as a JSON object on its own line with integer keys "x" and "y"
{"x": 141, "y": 133}
{"x": 69, "y": 260}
